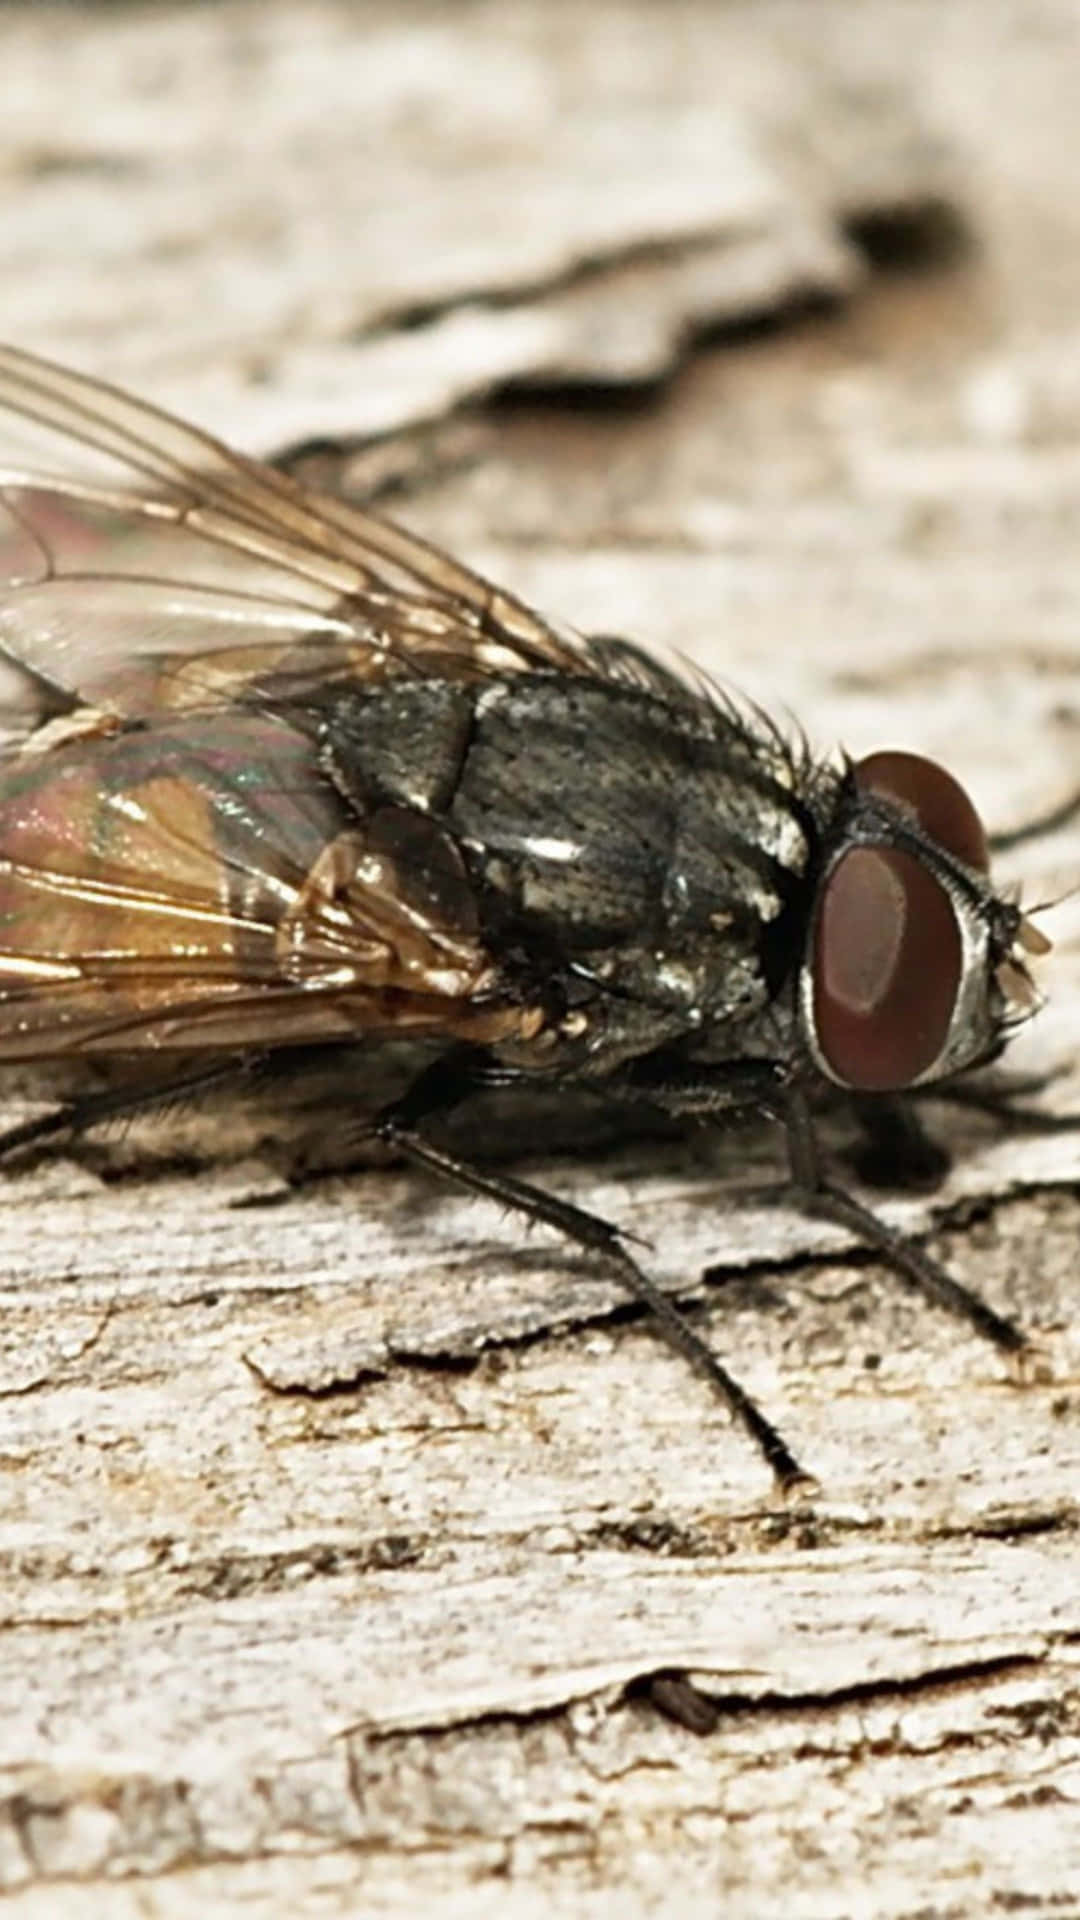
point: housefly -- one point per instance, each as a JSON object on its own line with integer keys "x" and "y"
{"x": 288, "y": 776}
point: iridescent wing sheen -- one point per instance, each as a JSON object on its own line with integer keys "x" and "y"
{"x": 157, "y": 568}
{"x": 192, "y": 883}
{"x": 194, "y": 879}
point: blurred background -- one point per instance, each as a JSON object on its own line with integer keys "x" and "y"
{"x": 747, "y": 329}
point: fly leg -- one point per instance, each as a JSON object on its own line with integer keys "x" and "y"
{"x": 443, "y": 1086}
{"x": 896, "y": 1150}
{"x": 760, "y": 1084}
{"x": 1048, "y": 822}
{"x": 116, "y": 1103}
{"x": 999, "y": 1102}
{"x": 815, "y": 1196}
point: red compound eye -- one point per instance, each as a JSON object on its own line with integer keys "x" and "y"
{"x": 887, "y": 956}
{"x": 939, "y": 803}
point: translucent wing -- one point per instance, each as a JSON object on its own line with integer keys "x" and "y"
{"x": 144, "y": 564}
{"x": 193, "y": 882}
{"x": 195, "y": 879}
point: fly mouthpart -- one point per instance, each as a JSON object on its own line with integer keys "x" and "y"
{"x": 1017, "y": 985}
{"x": 1032, "y": 938}
{"x": 1012, "y": 974}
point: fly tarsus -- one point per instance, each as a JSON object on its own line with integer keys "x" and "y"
{"x": 599, "y": 1236}
{"x": 814, "y": 1195}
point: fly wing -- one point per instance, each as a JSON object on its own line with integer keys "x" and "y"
{"x": 193, "y": 882}
{"x": 146, "y": 565}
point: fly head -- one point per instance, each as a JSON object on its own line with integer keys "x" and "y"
{"x": 915, "y": 967}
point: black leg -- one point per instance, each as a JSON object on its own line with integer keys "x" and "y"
{"x": 1049, "y": 822}
{"x": 115, "y": 1103}
{"x": 999, "y": 1102}
{"x": 439, "y": 1088}
{"x": 896, "y": 1150}
{"x": 448, "y": 1082}
{"x": 815, "y": 1196}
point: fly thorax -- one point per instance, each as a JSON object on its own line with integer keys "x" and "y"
{"x": 600, "y": 817}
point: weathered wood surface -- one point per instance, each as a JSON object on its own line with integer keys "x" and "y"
{"x": 298, "y": 1616}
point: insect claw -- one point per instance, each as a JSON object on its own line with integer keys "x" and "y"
{"x": 798, "y": 1489}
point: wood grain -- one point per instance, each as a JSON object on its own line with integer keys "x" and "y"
{"x": 359, "y": 1556}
